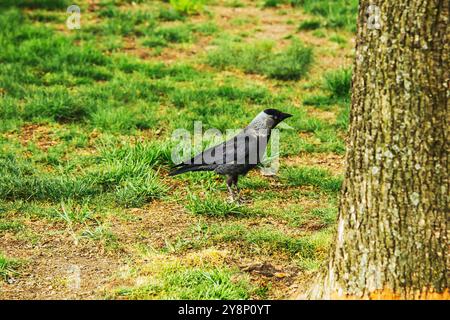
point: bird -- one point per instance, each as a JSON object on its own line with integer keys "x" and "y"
{"x": 238, "y": 155}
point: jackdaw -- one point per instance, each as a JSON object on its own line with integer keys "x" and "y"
{"x": 238, "y": 155}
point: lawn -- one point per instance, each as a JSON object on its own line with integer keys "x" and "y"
{"x": 86, "y": 123}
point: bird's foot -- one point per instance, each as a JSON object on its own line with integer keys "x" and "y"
{"x": 234, "y": 200}
{"x": 231, "y": 198}
{"x": 244, "y": 200}
{"x": 238, "y": 200}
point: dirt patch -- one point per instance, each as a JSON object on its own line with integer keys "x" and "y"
{"x": 130, "y": 47}
{"x": 275, "y": 272}
{"x": 51, "y": 262}
{"x": 38, "y": 133}
{"x": 327, "y": 116}
{"x": 56, "y": 268}
{"x": 270, "y": 26}
{"x": 183, "y": 52}
{"x": 333, "y": 162}
{"x": 154, "y": 225}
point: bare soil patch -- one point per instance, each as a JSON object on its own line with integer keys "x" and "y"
{"x": 50, "y": 267}
{"x": 333, "y": 162}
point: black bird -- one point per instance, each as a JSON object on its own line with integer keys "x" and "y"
{"x": 238, "y": 155}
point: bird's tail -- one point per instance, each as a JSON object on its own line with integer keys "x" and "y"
{"x": 186, "y": 168}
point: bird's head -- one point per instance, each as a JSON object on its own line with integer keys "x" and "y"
{"x": 275, "y": 116}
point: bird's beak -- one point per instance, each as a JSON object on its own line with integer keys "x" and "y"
{"x": 286, "y": 115}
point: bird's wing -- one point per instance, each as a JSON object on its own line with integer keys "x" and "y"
{"x": 245, "y": 148}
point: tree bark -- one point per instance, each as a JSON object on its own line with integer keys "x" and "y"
{"x": 392, "y": 236}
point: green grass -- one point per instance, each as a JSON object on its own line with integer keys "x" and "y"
{"x": 326, "y": 215}
{"x": 182, "y": 98}
{"x": 20, "y": 181}
{"x": 188, "y": 6}
{"x": 170, "y": 14}
{"x": 135, "y": 192}
{"x": 149, "y": 154}
{"x": 177, "y": 34}
{"x": 338, "y": 82}
{"x": 318, "y": 100}
{"x": 319, "y": 33}
{"x": 234, "y": 4}
{"x": 13, "y": 226}
{"x": 290, "y": 64}
{"x": 343, "y": 118}
{"x": 124, "y": 22}
{"x": 193, "y": 284}
{"x": 311, "y": 24}
{"x": 56, "y": 104}
{"x": 211, "y": 205}
{"x": 279, "y": 241}
{"x": 309, "y": 176}
{"x": 273, "y": 3}
{"x": 127, "y": 173}
{"x": 72, "y": 212}
{"x": 337, "y": 14}
{"x": 254, "y": 183}
{"x": 338, "y": 39}
{"x": 263, "y": 237}
{"x": 42, "y": 4}
{"x": 102, "y": 235}
{"x": 8, "y": 267}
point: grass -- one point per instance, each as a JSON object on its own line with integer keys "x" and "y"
{"x": 318, "y": 100}
{"x": 306, "y": 176}
{"x": 338, "y": 39}
{"x": 13, "y": 226}
{"x": 213, "y": 206}
{"x": 272, "y": 3}
{"x": 8, "y": 267}
{"x": 343, "y": 118}
{"x": 326, "y": 215}
{"x": 203, "y": 275}
{"x": 45, "y": 4}
{"x": 311, "y": 24}
{"x": 192, "y": 283}
{"x": 101, "y": 235}
{"x": 337, "y": 14}
{"x": 20, "y": 182}
{"x": 131, "y": 185}
{"x": 339, "y": 82}
{"x": 261, "y": 239}
{"x": 290, "y": 64}
{"x": 86, "y": 123}
{"x": 188, "y": 6}
{"x": 279, "y": 241}
{"x": 170, "y": 14}
{"x": 136, "y": 192}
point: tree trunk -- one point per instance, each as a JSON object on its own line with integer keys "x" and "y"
{"x": 391, "y": 239}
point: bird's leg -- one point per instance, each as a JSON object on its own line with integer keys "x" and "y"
{"x": 230, "y": 187}
{"x": 238, "y": 191}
